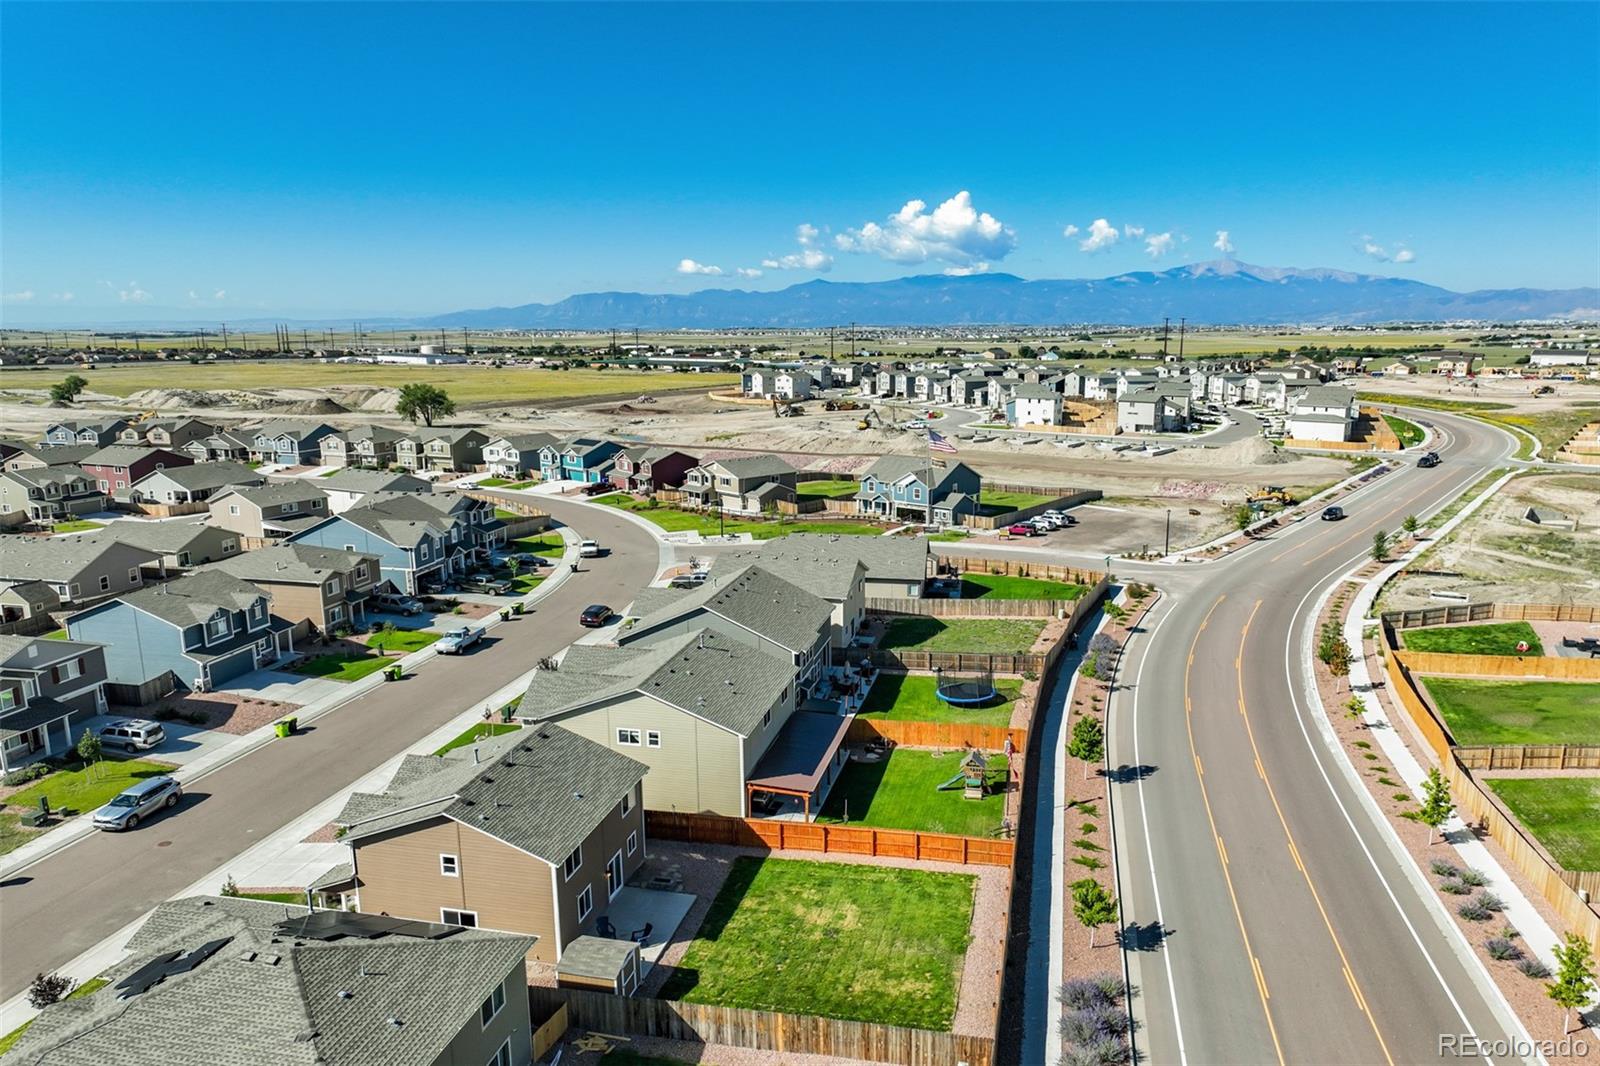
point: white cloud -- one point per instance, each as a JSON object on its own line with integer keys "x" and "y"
{"x": 689, "y": 266}
{"x": 748, "y": 272}
{"x": 1070, "y": 231}
{"x": 1158, "y": 245}
{"x": 954, "y": 232}
{"x": 809, "y": 257}
{"x": 132, "y": 294}
{"x": 64, "y": 297}
{"x": 1102, "y": 234}
{"x": 1133, "y": 233}
{"x": 966, "y": 271}
{"x": 1222, "y": 243}
{"x": 19, "y": 297}
{"x": 1373, "y": 250}
{"x": 220, "y": 294}
{"x": 193, "y": 295}
{"x": 1405, "y": 255}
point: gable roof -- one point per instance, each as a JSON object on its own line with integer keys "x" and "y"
{"x": 827, "y": 563}
{"x": 165, "y": 537}
{"x": 524, "y": 442}
{"x": 754, "y": 466}
{"x": 195, "y": 598}
{"x": 194, "y": 476}
{"x": 14, "y": 651}
{"x": 41, "y": 476}
{"x": 753, "y": 598}
{"x": 122, "y": 455}
{"x": 275, "y": 492}
{"x": 351, "y": 479}
{"x": 284, "y": 427}
{"x": 59, "y": 558}
{"x": 289, "y": 564}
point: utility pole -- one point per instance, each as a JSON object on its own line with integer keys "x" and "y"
{"x": 224, "y": 336}
{"x": 1168, "y": 549}
{"x": 1166, "y": 330}
{"x": 1181, "y": 323}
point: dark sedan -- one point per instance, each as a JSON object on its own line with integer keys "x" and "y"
{"x": 595, "y": 615}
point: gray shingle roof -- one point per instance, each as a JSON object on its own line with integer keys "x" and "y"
{"x": 827, "y": 564}
{"x": 14, "y": 651}
{"x": 194, "y": 599}
{"x": 41, "y": 476}
{"x": 289, "y": 564}
{"x": 275, "y": 492}
{"x": 206, "y": 475}
{"x": 164, "y": 537}
{"x": 57, "y": 558}
{"x": 755, "y": 466}
{"x": 755, "y": 599}
{"x": 351, "y": 479}
{"x": 119, "y": 455}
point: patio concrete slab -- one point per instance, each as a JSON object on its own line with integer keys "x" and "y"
{"x": 634, "y": 908}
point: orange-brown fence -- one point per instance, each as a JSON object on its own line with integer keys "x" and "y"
{"x": 973, "y": 662}
{"x": 759, "y": 1030}
{"x": 1543, "y": 666}
{"x": 983, "y": 608}
{"x": 937, "y": 734}
{"x": 841, "y": 839}
{"x": 1530, "y": 757}
{"x": 1547, "y": 612}
{"x": 1456, "y": 613}
{"x": 1010, "y": 567}
{"x": 548, "y": 1032}
{"x": 167, "y": 510}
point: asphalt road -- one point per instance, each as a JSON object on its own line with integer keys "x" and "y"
{"x": 66, "y": 903}
{"x": 1272, "y": 922}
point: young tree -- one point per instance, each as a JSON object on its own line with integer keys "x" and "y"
{"x": 1411, "y": 524}
{"x": 1436, "y": 806}
{"x": 1574, "y": 977}
{"x": 1092, "y": 905}
{"x": 1243, "y": 516}
{"x": 89, "y": 748}
{"x": 1088, "y": 742}
{"x": 427, "y": 402}
{"x": 66, "y": 390}
{"x": 1380, "y": 546}
{"x": 48, "y": 988}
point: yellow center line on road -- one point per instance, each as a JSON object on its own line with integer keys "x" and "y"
{"x": 1294, "y": 851}
{"x": 1222, "y": 851}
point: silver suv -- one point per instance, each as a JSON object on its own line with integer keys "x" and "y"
{"x": 132, "y": 734}
{"x": 138, "y": 801}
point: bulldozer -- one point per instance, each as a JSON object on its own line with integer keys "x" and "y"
{"x": 1271, "y": 494}
{"x": 865, "y": 422}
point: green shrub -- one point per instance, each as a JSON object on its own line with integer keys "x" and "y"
{"x": 25, "y": 774}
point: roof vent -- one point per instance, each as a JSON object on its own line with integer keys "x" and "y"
{"x": 395, "y": 1023}
{"x": 345, "y": 993}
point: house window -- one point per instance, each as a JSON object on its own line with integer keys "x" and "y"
{"x": 502, "y": 1054}
{"x": 573, "y": 863}
{"x": 652, "y": 738}
{"x": 449, "y": 866}
{"x": 585, "y": 902}
{"x": 334, "y": 587}
{"x": 493, "y": 1005}
{"x": 102, "y": 484}
{"x": 316, "y": 505}
{"x": 70, "y": 669}
{"x": 629, "y": 737}
{"x": 219, "y": 626}
{"x": 336, "y": 613}
{"x": 233, "y": 508}
{"x": 625, "y": 806}
{"x": 105, "y": 583}
{"x": 422, "y": 552}
{"x": 133, "y": 571}
{"x": 766, "y": 719}
{"x": 633, "y": 842}
{"x": 450, "y": 916}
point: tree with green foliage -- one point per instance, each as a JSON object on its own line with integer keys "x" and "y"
{"x": 1088, "y": 742}
{"x": 89, "y": 749}
{"x": 1243, "y": 516}
{"x": 419, "y": 400}
{"x": 1380, "y": 546}
{"x": 67, "y": 390}
{"x": 1574, "y": 977}
{"x": 1092, "y": 905}
{"x": 1436, "y": 807}
{"x": 1411, "y": 524}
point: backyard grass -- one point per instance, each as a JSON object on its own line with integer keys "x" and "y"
{"x": 1410, "y": 433}
{"x": 1005, "y": 502}
{"x": 1002, "y": 587}
{"x": 89, "y": 987}
{"x": 56, "y": 634}
{"x": 479, "y": 731}
{"x": 402, "y": 641}
{"x": 341, "y": 666}
{"x": 12, "y": 835}
{"x": 77, "y": 525}
{"x": 1563, "y": 812}
{"x": 902, "y": 792}
{"x": 501, "y": 482}
{"x": 913, "y": 698}
{"x": 1517, "y": 712}
{"x": 837, "y": 489}
{"x": 87, "y": 788}
{"x": 867, "y": 943}
{"x": 1004, "y": 635}
{"x": 546, "y": 544}
{"x": 675, "y": 521}
{"x": 293, "y": 898}
{"x": 1501, "y": 638}
{"x": 949, "y": 534}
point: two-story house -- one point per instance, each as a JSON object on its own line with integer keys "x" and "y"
{"x": 289, "y": 443}
{"x": 47, "y": 494}
{"x": 535, "y": 831}
{"x": 1162, "y": 409}
{"x": 644, "y": 469}
{"x": 179, "y": 544}
{"x": 1033, "y": 405}
{"x": 46, "y": 687}
{"x": 585, "y": 459}
{"x": 231, "y": 445}
{"x": 349, "y": 487}
{"x": 740, "y": 486}
{"x": 24, "y": 456}
{"x": 99, "y": 433}
{"x": 192, "y": 484}
{"x": 116, "y": 467}
{"x": 420, "y": 539}
{"x": 916, "y": 488}
{"x": 197, "y": 632}
{"x": 442, "y": 448}
{"x": 313, "y": 587}
{"x": 26, "y": 605}
{"x": 270, "y": 512}
{"x": 79, "y": 570}
{"x": 515, "y": 456}
{"x": 170, "y": 433}
{"x": 793, "y": 385}
{"x": 369, "y": 446}
{"x": 1321, "y": 413}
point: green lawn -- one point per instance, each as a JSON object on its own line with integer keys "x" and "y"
{"x": 85, "y": 789}
{"x": 867, "y": 943}
{"x": 1517, "y": 712}
{"x": 402, "y": 641}
{"x": 1563, "y": 812}
{"x": 1005, "y": 502}
{"x": 77, "y": 525}
{"x": 12, "y": 835}
{"x": 296, "y": 898}
{"x": 1500, "y": 638}
{"x": 56, "y": 634}
{"x": 919, "y": 633}
{"x": 479, "y": 731}
{"x": 500, "y": 482}
{"x": 837, "y": 489}
{"x": 343, "y": 666}
{"x": 911, "y": 698}
{"x": 675, "y": 521}
{"x": 89, "y": 987}
{"x": 902, "y": 792}
{"x": 949, "y": 535}
{"x": 1001, "y": 587}
{"x": 1410, "y": 433}
{"x": 546, "y": 544}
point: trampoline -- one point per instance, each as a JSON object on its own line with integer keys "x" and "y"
{"x": 966, "y": 691}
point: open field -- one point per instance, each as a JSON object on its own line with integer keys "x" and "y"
{"x": 868, "y": 943}
{"x": 1562, "y": 812}
{"x": 902, "y": 792}
{"x": 1501, "y": 638}
{"x": 922, "y": 633}
{"x": 914, "y": 698}
{"x": 1509, "y": 403}
{"x": 1517, "y": 712}
{"x": 707, "y": 525}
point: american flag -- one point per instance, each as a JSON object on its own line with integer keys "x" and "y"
{"x": 937, "y": 443}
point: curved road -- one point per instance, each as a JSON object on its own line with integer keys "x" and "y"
{"x": 64, "y": 904}
{"x": 1271, "y": 921}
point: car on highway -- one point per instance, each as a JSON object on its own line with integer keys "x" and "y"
{"x": 138, "y": 801}
{"x": 396, "y": 604}
{"x": 1332, "y": 514}
{"x": 132, "y": 734}
{"x": 458, "y": 640}
{"x": 1430, "y": 459}
{"x": 595, "y": 615}
{"x": 1022, "y": 529}
{"x": 487, "y": 584}
{"x": 590, "y": 549}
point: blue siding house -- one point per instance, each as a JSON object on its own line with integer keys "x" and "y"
{"x": 290, "y": 443}
{"x": 585, "y": 459}
{"x": 195, "y": 633}
{"x": 913, "y": 487}
{"x": 422, "y": 540}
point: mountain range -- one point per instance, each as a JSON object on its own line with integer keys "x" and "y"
{"x": 1223, "y": 292}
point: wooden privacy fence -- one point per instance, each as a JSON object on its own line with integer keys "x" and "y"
{"x": 995, "y": 521}
{"x": 167, "y": 510}
{"x": 1439, "y": 616}
{"x": 841, "y": 839}
{"x": 982, "y": 564}
{"x": 770, "y": 1031}
{"x": 937, "y": 734}
{"x": 548, "y": 1032}
{"x": 1454, "y": 614}
{"x": 1530, "y": 757}
{"x": 1547, "y": 612}
{"x": 982, "y": 608}
{"x": 972, "y": 662}
{"x": 1544, "y": 666}
{"x": 509, "y": 501}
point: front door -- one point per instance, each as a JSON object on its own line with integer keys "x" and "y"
{"x": 614, "y": 876}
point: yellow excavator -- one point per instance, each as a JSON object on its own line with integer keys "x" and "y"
{"x": 1271, "y": 494}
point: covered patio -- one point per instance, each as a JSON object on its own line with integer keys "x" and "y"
{"x": 41, "y": 729}
{"x": 800, "y": 767}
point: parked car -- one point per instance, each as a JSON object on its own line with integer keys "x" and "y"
{"x": 1431, "y": 459}
{"x": 590, "y": 549}
{"x": 595, "y": 615}
{"x": 527, "y": 560}
{"x": 132, "y": 734}
{"x": 1022, "y": 530}
{"x": 599, "y": 488}
{"x": 138, "y": 801}
{"x": 688, "y": 581}
{"x": 486, "y": 584}
{"x": 1332, "y": 514}
{"x": 459, "y": 640}
{"x": 406, "y": 605}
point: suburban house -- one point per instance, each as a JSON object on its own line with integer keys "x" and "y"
{"x": 171, "y": 434}
{"x": 1160, "y": 408}
{"x": 585, "y": 459}
{"x": 1456, "y": 363}
{"x": 442, "y": 448}
{"x": 196, "y": 632}
{"x": 535, "y": 831}
{"x": 78, "y": 570}
{"x": 1321, "y": 412}
{"x": 645, "y": 469}
{"x": 420, "y": 539}
{"x": 224, "y": 444}
{"x": 194, "y": 483}
{"x": 323, "y": 587}
{"x": 1034, "y": 405}
{"x": 178, "y": 544}
{"x": 1226, "y": 389}
{"x": 99, "y": 433}
{"x": 116, "y": 467}
{"x": 46, "y": 687}
{"x": 792, "y": 385}
{"x": 289, "y": 443}
{"x": 26, "y": 605}
{"x": 915, "y": 487}
{"x": 740, "y": 486}
{"x": 837, "y": 577}
{"x": 219, "y": 980}
{"x": 371, "y": 446}
{"x": 969, "y": 388}
{"x": 1267, "y": 390}
{"x": 25, "y": 456}
{"x": 347, "y": 488}
{"x": 757, "y": 381}
{"x": 47, "y": 494}
{"x": 516, "y": 455}
{"x": 269, "y": 512}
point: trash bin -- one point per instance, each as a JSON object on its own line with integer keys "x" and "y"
{"x": 283, "y": 726}
{"x": 394, "y": 673}
{"x": 505, "y": 614}
{"x": 516, "y": 608}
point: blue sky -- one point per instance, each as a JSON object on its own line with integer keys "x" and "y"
{"x": 277, "y": 158}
